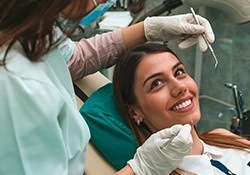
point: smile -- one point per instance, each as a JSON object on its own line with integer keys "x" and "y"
{"x": 182, "y": 105}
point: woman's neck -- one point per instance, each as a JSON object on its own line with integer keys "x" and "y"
{"x": 197, "y": 148}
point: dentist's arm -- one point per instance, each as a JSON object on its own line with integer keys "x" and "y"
{"x": 134, "y": 35}
{"x": 166, "y": 28}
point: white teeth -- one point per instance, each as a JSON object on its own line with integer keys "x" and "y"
{"x": 182, "y": 105}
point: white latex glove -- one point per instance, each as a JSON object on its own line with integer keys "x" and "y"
{"x": 166, "y": 28}
{"x": 150, "y": 159}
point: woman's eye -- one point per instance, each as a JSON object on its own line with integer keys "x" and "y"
{"x": 180, "y": 72}
{"x": 155, "y": 83}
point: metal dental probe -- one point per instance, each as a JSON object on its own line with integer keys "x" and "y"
{"x": 205, "y": 38}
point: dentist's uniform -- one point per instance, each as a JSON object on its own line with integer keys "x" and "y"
{"x": 41, "y": 130}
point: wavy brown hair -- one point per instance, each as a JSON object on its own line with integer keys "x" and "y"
{"x": 31, "y": 23}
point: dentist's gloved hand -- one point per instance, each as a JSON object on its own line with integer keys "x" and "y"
{"x": 166, "y": 28}
{"x": 150, "y": 159}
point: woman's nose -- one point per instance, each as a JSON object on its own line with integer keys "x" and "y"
{"x": 178, "y": 88}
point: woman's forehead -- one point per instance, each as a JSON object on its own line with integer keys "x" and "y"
{"x": 155, "y": 64}
{"x": 157, "y": 60}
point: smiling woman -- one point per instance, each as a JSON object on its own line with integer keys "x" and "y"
{"x": 161, "y": 80}
{"x": 153, "y": 91}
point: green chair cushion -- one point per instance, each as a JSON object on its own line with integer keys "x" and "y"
{"x": 109, "y": 132}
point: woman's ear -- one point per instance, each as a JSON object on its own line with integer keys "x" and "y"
{"x": 135, "y": 114}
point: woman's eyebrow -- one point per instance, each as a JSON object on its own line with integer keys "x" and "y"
{"x": 152, "y": 76}
{"x": 160, "y": 73}
{"x": 176, "y": 65}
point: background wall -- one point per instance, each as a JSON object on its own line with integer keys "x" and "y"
{"x": 232, "y": 48}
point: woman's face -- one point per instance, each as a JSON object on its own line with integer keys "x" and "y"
{"x": 165, "y": 93}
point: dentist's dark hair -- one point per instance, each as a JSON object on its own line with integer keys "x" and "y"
{"x": 31, "y": 23}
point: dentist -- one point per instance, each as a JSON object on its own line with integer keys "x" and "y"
{"x": 41, "y": 130}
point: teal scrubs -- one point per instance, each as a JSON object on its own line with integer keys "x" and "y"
{"x": 41, "y": 130}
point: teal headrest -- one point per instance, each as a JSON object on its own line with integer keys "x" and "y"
{"x": 109, "y": 132}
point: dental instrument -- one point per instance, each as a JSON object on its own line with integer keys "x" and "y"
{"x": 121, "y": 3}
{"x": 125, "y": 4}
{"x": 205, "y": 38}
{"x": 168, "y": 141}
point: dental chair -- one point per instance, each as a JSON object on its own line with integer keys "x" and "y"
{"x": 110, "y": 149}
{"x": 95, "y": 163}
{"x": 112, "y": 142}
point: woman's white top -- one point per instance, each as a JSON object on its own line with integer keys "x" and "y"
{"x": 235, "y": 160}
